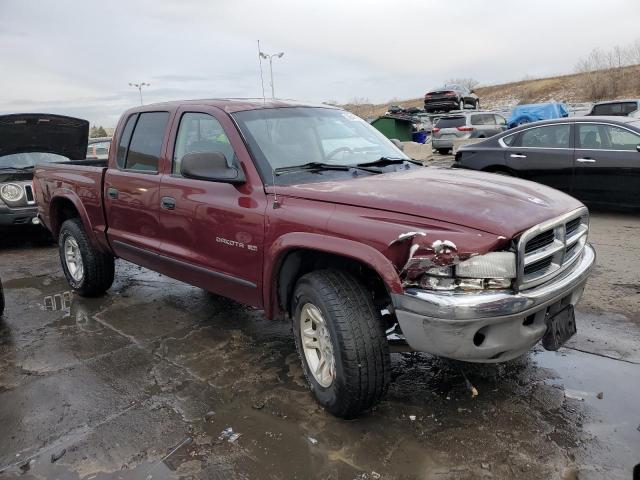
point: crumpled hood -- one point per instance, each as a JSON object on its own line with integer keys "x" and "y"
{"x": 44, "y": 132}
{"x": 488, "y": 202}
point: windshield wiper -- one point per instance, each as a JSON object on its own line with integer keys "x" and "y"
{"x": 384, "y": 161}
{"x": 310, "y": 166}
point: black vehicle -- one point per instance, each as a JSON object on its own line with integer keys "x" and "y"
{"x": 28, "y": 139}
{"x": 595, "y": 159}
{"x": 450, "y": 97}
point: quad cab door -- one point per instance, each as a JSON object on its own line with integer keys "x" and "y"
{"x": 132, "y": 187}
{"x": 543, "y": 154}
{"x": 211, "y": 232}
{"x": 607, "y": 165}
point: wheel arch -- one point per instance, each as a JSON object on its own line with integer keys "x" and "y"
{"x": 298, "y": 253}
{"x": 64, "y": 206}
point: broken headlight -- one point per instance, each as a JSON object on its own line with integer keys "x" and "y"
{"x": 495, "y": 271}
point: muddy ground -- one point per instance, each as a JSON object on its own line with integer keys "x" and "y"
{"x": 140, "y": 384}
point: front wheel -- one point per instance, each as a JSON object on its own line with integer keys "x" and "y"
{"x": 88, "y": 271}
{"x": 341, "y": 342}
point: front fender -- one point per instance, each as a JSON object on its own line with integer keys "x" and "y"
{"x": 327, "y": 244}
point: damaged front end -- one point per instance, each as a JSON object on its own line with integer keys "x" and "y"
{"x": 441, "y": 265}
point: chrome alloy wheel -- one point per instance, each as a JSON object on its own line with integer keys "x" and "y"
{"x": 73, "y": 259}
{"x": 316, "y": 343}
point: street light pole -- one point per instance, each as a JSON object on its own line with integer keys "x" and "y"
{"x": 270, "y": 57}
{"x": 139, "y": 87}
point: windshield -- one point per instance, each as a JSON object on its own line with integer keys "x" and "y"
{"x": 286, "y": 137}
{"x": 26, "y": 160}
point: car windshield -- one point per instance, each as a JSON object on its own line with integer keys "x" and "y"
{"x": 451, "y": 122}
{"x": 286, "y": 137}
{"x": 26, "y": 160}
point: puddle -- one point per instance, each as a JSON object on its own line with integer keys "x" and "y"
{"x": 614, "y": 419}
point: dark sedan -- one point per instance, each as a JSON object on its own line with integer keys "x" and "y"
{"x": 595, "y": 159}
{"x": 450, "y": 97}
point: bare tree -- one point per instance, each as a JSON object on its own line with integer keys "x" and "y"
{"x": 469, "y": 83}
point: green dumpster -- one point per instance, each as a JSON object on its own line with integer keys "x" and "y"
{"x": 394, "y": 127}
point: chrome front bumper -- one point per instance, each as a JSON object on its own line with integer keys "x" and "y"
{"x": 488, "y": 326}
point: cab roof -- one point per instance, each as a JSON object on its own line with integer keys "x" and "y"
{"x": 232, "y": 105}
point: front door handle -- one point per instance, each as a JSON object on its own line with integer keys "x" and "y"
{"x": 585, "y": 160}
{"x": 168, "y": 203}
{"x": 517, "y": 155}
{"x": 112, "y": 192}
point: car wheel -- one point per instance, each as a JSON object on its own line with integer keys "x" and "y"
{"x": 443, "y": 151}
{"x": 341, "y": 342}
{"x": 88, "y": 271}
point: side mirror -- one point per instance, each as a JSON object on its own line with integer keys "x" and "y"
{"x": 210, "y": 166}
{"x": 397, "y": 143}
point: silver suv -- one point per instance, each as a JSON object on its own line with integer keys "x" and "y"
{"x": 464, "y": 125}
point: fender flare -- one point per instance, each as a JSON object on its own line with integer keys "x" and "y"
{"x": 71, "y": 196}
{"x": 327, "y": 244}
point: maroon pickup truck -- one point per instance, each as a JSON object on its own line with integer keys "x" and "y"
{"x": 308, "y": 212}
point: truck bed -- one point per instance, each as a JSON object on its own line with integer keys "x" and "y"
{"x": 79, "y": 182}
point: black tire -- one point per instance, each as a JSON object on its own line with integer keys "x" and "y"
{"x": 501, "y": 171}
{"x": 359, "y": 343}
{"x": 443, "y": 151}
{"x": 98, "y": 267}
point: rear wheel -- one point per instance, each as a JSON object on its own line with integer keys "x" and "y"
{"x": 88, "y": 271}
{"x": 341, "y": 342}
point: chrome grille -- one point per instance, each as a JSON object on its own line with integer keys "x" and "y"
{"x": 546, "y": 250}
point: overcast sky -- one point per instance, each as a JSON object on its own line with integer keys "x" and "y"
{"x": 77, "y": 57}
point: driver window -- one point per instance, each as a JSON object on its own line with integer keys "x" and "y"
{"x": 200, "y": 132}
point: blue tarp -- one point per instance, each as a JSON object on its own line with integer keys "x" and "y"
{"x": 536, "y": 111}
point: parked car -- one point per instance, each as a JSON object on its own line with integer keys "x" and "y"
{"x": 620, "y": 108}
{"x": 98, "y": 148}
{"x": 450, "y": 97}
{"x": 465, "y": 125}
{"x": 308, "y": 212}
{"x": 27, "y": 139}
{"x": 596, "y": 159}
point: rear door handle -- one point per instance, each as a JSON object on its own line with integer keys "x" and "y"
{"x": 585, "y": 160}
{"x": 112, "y": 192}
{"x": 517, "y": 155}
{"x": 168, "y": 203}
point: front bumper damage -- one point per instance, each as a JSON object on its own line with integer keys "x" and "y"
{"x": 487, "y": 327}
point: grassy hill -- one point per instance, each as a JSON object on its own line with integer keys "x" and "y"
{"x": 576, "y": 88}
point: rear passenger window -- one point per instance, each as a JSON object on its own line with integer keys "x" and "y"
{"x": 550, "y": 136}
{"x": 200, "y": 132}
{"x": 146, "y": 142}
{"x": 124, "y": 140}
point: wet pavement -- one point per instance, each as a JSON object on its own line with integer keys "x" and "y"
{"x": 142, "y": 382}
